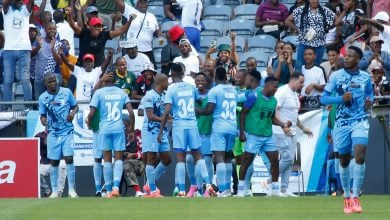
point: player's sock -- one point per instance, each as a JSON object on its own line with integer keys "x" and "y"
{"x": 181, "y": 175}
{"x": 229, "y": 173}
{"x": 344, "y": 176}
{"x": 221, "y": 175}
{"x": 358, "y": 179}
{"x": 210, "y": 167}
{"x": 71, "y": 174}
{"x": 151, "y": 175}
{"x": 241, "y": 184}
{"x": 159, "y": 171}
{"x": 248, "y": 176}
{"x": 351, "y": 172}
{"x": 107, "y": 174}
{"x": 190, "y": 165}
{"x": 201, "y": 166}
{"x": 97, "y": 174}
{"x": 337, "y": 172}
{"x": 275, "y": 185}
{"x": 136, "y": 188}
{"x": 118, "y": 171}
{"x": 54, "y": 178}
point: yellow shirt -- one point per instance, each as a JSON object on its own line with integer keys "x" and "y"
{"x": 65, "y": 71}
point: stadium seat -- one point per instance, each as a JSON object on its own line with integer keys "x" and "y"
{"x": 242, "y": 27}
{"x": 232, "y": 3}
{"x": 156, "y": 3}
{"x": 213, "y": 28}
{"x": 217, "y": 12}
{"x": 158, "y": 11}
{"x": 264, "y": 42}
{"x": 292, "y": 39}
{"x": 205, "y": 42}
{"x": 261, "y": 58}
{"x": 296, "y": 170}
{"x": 247, "y": 11}
{"x": 240, "y": 42}
{"x": 166, "y": 26}
{"x": 157, "y": 58}
{"x": 157, "y": 47}
{"x": 76, "y": 46}
{"x": 17, "y": 93}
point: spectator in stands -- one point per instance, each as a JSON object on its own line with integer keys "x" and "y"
{"x": 285, "y": 64}
{"x": 376, "y": 53}
{"x": 275, "y": 55}
{"x": 171, "y": 50}
{"x": 125, "y": 79}
{"x": 270, "y": 17}
{"x": 64, "y": 30}
{"x": 227, "y": 57}
{"x": 172, "y": 11}
{"x": 297, "y": 4}
{"x": 376, "y": 6}
{"x": 190, "y": 20}
{"x": 335, "y": 5}
{"x": 105, "y": 8}
{"x": 145, "y": 26}
{"x": 144, "y": 82}
{"x": 93, "y": 40}
{"x": 2, "y": 39}
{"x": 135, "y": 61}
{"x": 47, "y": 59}
{"x": 334, "y": 61}
{"x": 315, "y": 78}
{"x": 90, "y": 13}
{"x": 59, "y": 4}
{"x": 380, "y": 22}
{"x": 209, "y": 71}
{"x": 36, "y": 42}
{"x": 68, "y": 80}
{"x": 41, "y": 17}
{"x": 190, "y": 62}
{"x": 311, "y": 22}
{"x": 377, "y": 72}
{"x": 213, "y": 2}
{"x": 348, "y": 24}
{"x": 17, "y": 47}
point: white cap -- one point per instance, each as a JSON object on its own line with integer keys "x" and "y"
{"x": 382, "y": 15}
{"x": 128, "y": 43}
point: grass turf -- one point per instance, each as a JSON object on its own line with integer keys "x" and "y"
{"x": 309, "y": 207}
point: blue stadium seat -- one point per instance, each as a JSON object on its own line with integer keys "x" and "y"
{"x": 205, "y": 42}
{"x": 76, "y": 46}
{"x": 261, "y": 58}
{"x": 157, "y": 58}
{"x": 232, "y": 3}
{"x": 242, "y": 27}
{"x": 156, "y": 3}
{"x": 247, "y": 11}
{"x": 265, "y": 43}
{"x": 240, "y": 42}
{"x": 217, "y": 12}
{"x": 158, "y": 11}
{"x": 213, "y": 28}
{"x": 292, "y": 39}
{"x": 166, "y": 26}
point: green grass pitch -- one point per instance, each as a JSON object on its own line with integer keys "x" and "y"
{"x": 308, "y": 207}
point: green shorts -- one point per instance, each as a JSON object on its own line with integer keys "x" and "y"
{"x": 238, "y": 148}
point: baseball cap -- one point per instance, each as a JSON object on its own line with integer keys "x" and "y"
{"x": 32, "y": 26}
{"x": 175, "y": 32}
{"x": 92, "y": 9}
{"x": 376, "y": 39}
{"x": 382, "y": 15}
{"x": 89, "y": 56}
{"x": 184, "y": 41}
{"x": 129, "y": 43}
{"x": 95, "y": 21}
{"x": 375, "y": 65}
{"x": 149, "y": 67}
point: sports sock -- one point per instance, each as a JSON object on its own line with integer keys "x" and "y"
{"x": 358, "y": 179}
{"x": 221, "y": 175}
{"x": 71, "y": 173}
{"x": 201, "y": 166}
{"x": 54, "y": 178}
{"x": 190, "y": 165}
{"x": 344, "y": 177}
{"x": 159, "y": 171}
{"x": 151, "y": 175}
{"x": 275, "y": 185}
{"x": 210, "y": 167}
{"x": 97, "y": 174}
{"x": 181, "y": 175}
{"x": 337, "y": 172}
{"x": 107, "y": 174}
{"x": 240, "y": 185}
{"x": 229, "y": 173}
{"x": 136, "y": 188}
{"x": 118, "y": 171}
{"x": 248, "y": 177}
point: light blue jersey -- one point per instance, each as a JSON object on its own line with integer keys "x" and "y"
{"x": 359, "y": 84}
{"x": 56, "y": 108}
{"x": 182, "y": 96}
{"x": 110, "y": 102}
{"x": 155, "y": 101}
{"x": 225, "y": 99}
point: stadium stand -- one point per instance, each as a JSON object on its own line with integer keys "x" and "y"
{"x": 247, "y": 11}
{"x": 158, "y": 12}
{"x": 240, "y": 42}
{"x": 242, "y": 27}
{"x": 217, "y": 12}
{"x": 213, "y": 28}
{"x": 261, "y": 58}
{"x": 265, "y": 43}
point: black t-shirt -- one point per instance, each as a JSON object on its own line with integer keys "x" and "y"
{"x": 175, "y": 8}
{"x": 95, "y": 46}
{"x": 168, "y": 53}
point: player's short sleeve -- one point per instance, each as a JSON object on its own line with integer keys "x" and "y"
{"x": 72, "y": 99}
{"x": 212, "y": 96}
{"x": 169, "y": 95}
{"x": 95, "y": 99}
{"x": 331, "y": 85}
{"x": 148, "y": 101}
{"x": 250, "y": 100}
{"x": 42, "y": 106}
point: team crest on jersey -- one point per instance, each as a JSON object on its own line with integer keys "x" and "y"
{"x": 128, "y": 80}
{"x": 87, "y": 89}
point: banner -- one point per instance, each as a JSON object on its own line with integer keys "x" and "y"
{"x": 19, "y": 168}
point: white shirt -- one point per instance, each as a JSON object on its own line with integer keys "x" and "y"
{"x": 190, "y": 14}
{"x": 385, "y": 36}
{"x": 66, "y": 32}
{"x": 191, "y": 63}
{"x": 16, "y": 30}
{"x": 137, "y": 64}
{"x": 149, "y": 26}
{"x": 86, "y": 81}
{"x": 313, "y": 75}
{"x": 287, "y": 108}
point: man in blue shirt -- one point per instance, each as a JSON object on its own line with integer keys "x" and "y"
{"x": 353, "y": 97}
{"x": 110, "y": 101}
{"x": 57, "y": 107}
{"x": 222, "y": 103}
{"x": 180, "y": 100}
